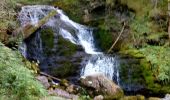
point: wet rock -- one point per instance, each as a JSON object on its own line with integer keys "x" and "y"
{"x": 87, "y": 16}
{"x": 102, "y": 85}
{"x": 62, "y": 93}
{"x": 99, "y": 97}
{"x": 44, "y": 81}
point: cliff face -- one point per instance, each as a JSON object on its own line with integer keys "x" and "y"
{"x": 145, "y": 30}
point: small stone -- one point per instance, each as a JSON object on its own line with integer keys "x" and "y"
{"x": 44, "y": 81}
{"x": 99, "y": 97}
{"x": 70, "y": 89}
{"x": 90, "y": 82}
{"x": 83, "y": 77}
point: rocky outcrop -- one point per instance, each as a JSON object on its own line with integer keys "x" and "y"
{"x": 102, "y": 85}
{"x": 61, "y": 58}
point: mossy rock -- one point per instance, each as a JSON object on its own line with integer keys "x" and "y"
{"x": 65, "y": 47}
{"x": 144, "y": 70}
{"x": 132, "y": 72}
{"x": 64, "y": 70}
{"x": 104, "y": 39}
{"x": 74, "y": 8}
{"x": 47, "y": 36}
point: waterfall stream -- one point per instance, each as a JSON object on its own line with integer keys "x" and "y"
{"x": 98, "y": 62}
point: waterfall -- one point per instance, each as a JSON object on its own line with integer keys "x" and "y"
{"x": 98, "y": 62}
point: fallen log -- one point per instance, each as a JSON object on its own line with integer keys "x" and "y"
{"x": 29, "y": 29}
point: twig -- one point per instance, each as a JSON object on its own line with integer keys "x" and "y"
{"x": 54, "y": 78}
{"x": 116, "y": 39}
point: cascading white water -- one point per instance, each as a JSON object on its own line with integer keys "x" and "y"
{"x": 75, "y": 33}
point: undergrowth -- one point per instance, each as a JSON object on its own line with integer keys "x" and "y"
{"x": 158, "y": 56}
{"x": 17, "y": 82}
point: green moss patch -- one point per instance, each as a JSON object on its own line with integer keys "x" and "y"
{"x": 47, "y": 36}
{"x": 65, "y": 70}
{"x": 65, "y": 47}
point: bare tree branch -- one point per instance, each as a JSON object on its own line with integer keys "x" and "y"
{"x": 117, "y": 39}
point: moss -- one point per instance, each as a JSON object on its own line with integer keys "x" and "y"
{"x": 132, "y": 72}
{"x": 132, "y": 52}
{"x": 65, "y": 70}
{"x": 117, "y": 96}
{"x": 16, "y": 80}
{"x": 148, "y": 36}
{"x": 104, "y": 39}
{"x": 140, "y": 6}
{"x": 47, "y": 36}
{"x": 72, "y": 7}
{"x": 65, "y": 47}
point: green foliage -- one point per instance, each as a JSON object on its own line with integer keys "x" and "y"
{"x": 16, "y": 80}
{"x": 158, "y": 56}
{"x": 84, "y": 94}
{"x": 140, "y": 7}
{"x": 140, "y": 26}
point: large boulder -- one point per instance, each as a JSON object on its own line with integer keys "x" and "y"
{"x": 102, "y": 85}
